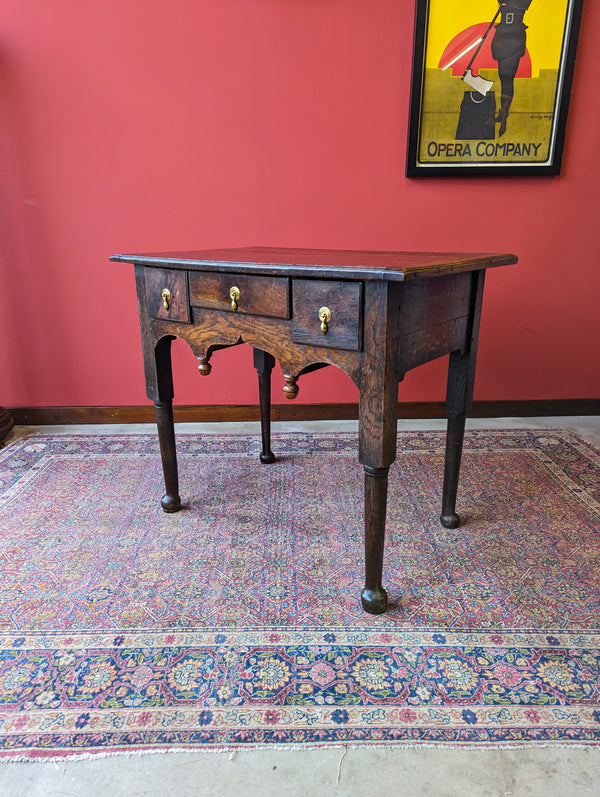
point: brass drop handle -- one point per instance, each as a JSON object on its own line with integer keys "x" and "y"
{"x": 234, "y": 295}
{"x": 166, "y": 298}
{"x": 324, "y": 318}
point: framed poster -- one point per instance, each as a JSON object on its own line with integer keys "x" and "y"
{"x": 490, "y": 87}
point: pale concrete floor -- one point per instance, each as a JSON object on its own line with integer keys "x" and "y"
{"x": 414, "y": 772}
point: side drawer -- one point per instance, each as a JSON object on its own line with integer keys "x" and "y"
{"x": 343, "y": 300}
{"x": 167, "y": 294}
{"x": 262, "y": 295}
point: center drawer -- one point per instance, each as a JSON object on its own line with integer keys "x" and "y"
{"x": 240, "y": 293}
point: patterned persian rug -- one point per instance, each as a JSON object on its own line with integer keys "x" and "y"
{"x": 237, "y": 622}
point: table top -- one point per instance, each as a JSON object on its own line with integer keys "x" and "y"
{"x": 327, "y": 263}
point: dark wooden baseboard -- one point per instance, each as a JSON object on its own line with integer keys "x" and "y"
{"x": 42, "y": 416}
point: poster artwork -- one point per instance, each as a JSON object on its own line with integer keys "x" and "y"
{"x": 492, "y": 83}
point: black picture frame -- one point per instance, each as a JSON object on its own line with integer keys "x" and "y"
{"x": 472, "y": 142}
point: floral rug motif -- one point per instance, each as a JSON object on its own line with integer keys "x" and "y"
{"x": 237, "y": 621}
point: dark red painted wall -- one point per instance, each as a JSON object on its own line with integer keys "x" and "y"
{"x": 140, "y": 126}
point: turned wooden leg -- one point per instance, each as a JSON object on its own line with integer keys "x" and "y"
{"x": 377, "y": 431}
{"x": 374, "y": 598}
{"x": 264, "y": 362}
{"x": 170, "y": 502}
{"x": 454, "y": 443}
{"x": 459, "y": 397}
{"x": 162, "y": 394}
{"x": 457, "y": 400}
{"x": 456, "y": 403}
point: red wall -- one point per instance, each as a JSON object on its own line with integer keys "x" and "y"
{"x": 140, "y": 126}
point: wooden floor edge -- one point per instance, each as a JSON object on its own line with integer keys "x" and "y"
{"x": 44, "y": 416}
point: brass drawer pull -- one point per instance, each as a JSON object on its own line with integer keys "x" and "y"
{"x": 324, "y": 318}
{"x": 234, "y": 295}
{"x": 166, "y": 298}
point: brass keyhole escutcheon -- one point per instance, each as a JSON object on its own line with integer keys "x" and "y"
{"x": 166, "y": 298}
{"x": 234, "y": 295}
{"x": 324, "y": 318}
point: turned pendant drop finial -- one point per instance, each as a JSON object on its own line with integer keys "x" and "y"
{"x": 290, "y": 389}
{"x": 205, "y": 367}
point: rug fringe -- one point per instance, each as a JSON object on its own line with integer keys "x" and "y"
{"x": 56, "y": 756}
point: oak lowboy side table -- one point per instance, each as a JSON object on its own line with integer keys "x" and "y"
{"x": 375, "y": 315}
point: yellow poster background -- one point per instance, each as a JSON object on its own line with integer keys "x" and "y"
{"x": 528, "y": 136}
{"x": 545, "y": 20}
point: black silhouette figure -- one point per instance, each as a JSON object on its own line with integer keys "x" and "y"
{"x": 508, "y": 47}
